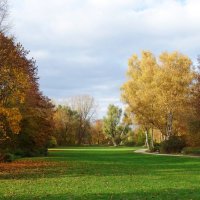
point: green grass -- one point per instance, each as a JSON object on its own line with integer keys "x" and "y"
{"x": 101, "y": 173}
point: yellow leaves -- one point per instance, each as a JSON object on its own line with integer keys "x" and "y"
{"x": 11, "y": 116}
{"x": 13, "y": 84}
{"x": 156, "y": 87}
{"x": 174, "y": 78}
{"x": 14, "y": 81}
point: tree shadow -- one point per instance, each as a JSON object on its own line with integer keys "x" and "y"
{"x": 167, "y": 194}
{"x": 90, "y": 163}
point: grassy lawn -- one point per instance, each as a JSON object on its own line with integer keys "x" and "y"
{"x": 101, "y": 173}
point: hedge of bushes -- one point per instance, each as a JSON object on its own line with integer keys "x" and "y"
{"x": 174, "y": 144}
{"x": 191, "y": 150}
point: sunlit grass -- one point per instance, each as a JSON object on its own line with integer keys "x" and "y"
{"x": 100, "y": 173}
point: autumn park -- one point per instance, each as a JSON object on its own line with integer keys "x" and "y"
{"x": 87, "y": 113}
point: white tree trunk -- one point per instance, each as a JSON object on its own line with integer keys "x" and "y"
{"x": 152, "y": 138}
{"x": 147, "y": 139}
{"x": 169, "y": 125}
{"x": 114, "y": 143}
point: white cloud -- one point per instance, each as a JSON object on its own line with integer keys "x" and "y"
{"x": 40, "y": 54}
{"x": 82, "y": 46}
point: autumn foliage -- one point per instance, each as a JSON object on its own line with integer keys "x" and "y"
{"x": 162, "y": 94}
{"x": 25, "y": 114}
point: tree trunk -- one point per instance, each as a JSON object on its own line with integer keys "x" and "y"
{"x": 79, "y": 136}
{"x": 114, "y": 143}
{"x": 161, "y": 137}
{"x": 169, "y": 125}
{"x": 152, "y": 138}
{"x": 147, "y": 139}
{"x": 98, "y": 140}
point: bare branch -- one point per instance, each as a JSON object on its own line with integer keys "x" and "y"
{"x": 85, "y": 106}
{"x": 3, "y": 16}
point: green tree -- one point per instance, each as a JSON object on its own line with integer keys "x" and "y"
{"x": 111, "y": 123}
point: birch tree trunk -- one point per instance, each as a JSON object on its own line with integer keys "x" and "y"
{"x": 169, "y": 125}
{"x": 147, "y": 139}
{"x": 152, "y": 138}
{"x": 114, "y": 143}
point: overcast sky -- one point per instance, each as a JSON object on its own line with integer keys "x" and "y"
{"x": 82, "y": 46}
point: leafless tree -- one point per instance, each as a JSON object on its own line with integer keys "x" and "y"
{"x": 86, "y": 108}
{"x": 3, "y": 16}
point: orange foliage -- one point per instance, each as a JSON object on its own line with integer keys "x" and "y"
{"x": 23, "y": 168}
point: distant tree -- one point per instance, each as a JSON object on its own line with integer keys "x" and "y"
{"x": 85, "y": 106}
{"x": 111, "y": 123}
{"x": 66, "y": 125}
{"x": 96, "y": 132}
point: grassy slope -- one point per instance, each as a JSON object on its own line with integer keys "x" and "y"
{"x": 97, "y": 173}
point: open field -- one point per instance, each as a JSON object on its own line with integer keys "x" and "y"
{"x": 100, "y": 173}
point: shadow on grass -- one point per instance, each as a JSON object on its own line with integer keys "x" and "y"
{"x": 167, "y": 194}
{"x": 96, "y": 163}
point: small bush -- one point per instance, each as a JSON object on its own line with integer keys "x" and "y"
{"x": 52, "y": 142}
{"x": 174, "y": 144}
{"x": 44, "y": 151}
{"x": 191, "y": 150}
{"x": 7, "y": 157}
{"x": 156, "y": 148}
{"x": 129, "y": 143}
{"x": 36, "y": 152}
{"x": 19, "y": 153}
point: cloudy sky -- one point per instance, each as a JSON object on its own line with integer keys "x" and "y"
{"x": 82, "y": 46}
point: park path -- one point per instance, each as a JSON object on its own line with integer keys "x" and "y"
{"x": 144, "y": 151}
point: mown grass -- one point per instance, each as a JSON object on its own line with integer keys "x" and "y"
{"x": 101, "y": 173}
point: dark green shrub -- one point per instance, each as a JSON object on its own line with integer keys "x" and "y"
{"x": 38, "y": 152}
{"x": 129, "y": 143}
{"x": 174, "y": 144}
{"x": 156, "y": 148}
{"x": 43, "y": 151}
{"x": 52, "y": 142}
{"x": 191, "y": 150}
{"x": 19, "y": 153}
{"x": 8, "y": 157}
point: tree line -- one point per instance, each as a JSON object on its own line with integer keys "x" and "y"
{"x": 161, "y": 98}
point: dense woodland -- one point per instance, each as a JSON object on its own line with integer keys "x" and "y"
{"x": 161, "y": 98}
